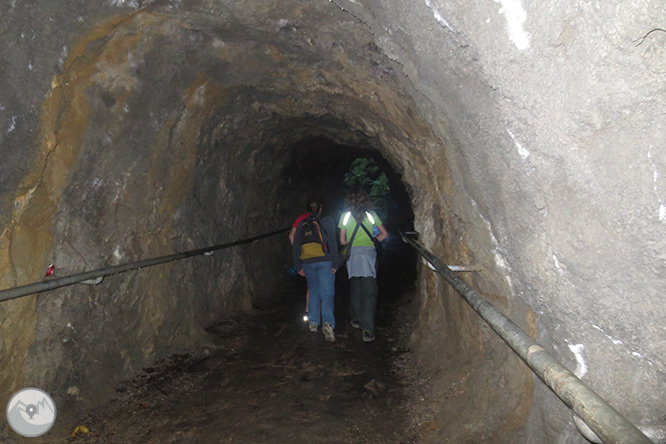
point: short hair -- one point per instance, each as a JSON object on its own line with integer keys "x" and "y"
{"x": 314, "y": 205}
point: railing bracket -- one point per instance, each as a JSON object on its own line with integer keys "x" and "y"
{"x": 95, "y": 281}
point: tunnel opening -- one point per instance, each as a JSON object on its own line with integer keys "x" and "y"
{"x": 326, "y": 168}
{"x": 321, "y": 166}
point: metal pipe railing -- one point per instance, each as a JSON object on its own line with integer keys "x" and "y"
{"x": 97, "y": 275}
{"x": 609, "y": 425}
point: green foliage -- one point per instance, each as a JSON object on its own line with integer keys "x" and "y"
{"x": 366, "y": 173}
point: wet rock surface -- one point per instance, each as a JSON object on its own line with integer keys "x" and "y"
{"x": 266, "y": 379}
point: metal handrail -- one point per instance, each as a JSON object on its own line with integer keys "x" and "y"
{"x": 609, "y": 425}
{"x": 99, "y": 274}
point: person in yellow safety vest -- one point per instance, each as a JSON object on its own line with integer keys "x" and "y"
{"x": 361, "y": 268}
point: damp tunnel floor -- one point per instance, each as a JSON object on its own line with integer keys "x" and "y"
{"x": 264, "y": 377}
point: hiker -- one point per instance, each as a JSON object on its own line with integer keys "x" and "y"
{"x": 315, "y": 251}
{"x": 315, "y": 202}
{"x": 361, "y": 266}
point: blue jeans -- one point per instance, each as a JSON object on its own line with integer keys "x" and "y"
{"x": 321, "y": 282}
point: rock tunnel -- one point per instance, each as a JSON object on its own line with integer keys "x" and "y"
{"x": 524, "y": 138}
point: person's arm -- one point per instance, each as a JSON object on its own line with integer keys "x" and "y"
{"x": 332, "y": 245}
{"x": 296, "y": 251}
{"x": 343, "y": 236}
{"x": 383, "y": 234}
{"x": 298, "y": 220}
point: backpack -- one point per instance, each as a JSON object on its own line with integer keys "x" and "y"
{"x": 312, "y": 242}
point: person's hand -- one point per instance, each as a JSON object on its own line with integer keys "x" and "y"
{"x": 333, "y": 270}
{"x": 383, "y": 234}
{"x": 301, "y": 272}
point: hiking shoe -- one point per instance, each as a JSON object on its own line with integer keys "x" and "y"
{"x": 356, "y": 323}
{"x": 313, "y": 327}
{"x": 328, "y": 332}
{"x": 368, "y": 336}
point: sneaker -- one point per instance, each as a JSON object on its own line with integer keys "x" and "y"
{"x": 356, "y": 323}
{"x": 313, "y": 327}
{"x": 328, "y": 332}
{"x": 368, "y": 336}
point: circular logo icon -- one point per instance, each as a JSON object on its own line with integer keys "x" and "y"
{"x": 31, "y": 412}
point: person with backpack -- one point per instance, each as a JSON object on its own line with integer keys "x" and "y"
{"x": 361, "y": 266}
{"x": 315, "y": 253}
{"x": 316, "y": 202}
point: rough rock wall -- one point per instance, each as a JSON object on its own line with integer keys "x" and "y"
{"x": 554, "y": 117}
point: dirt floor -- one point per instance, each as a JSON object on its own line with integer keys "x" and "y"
{"x": 269, "y": 380}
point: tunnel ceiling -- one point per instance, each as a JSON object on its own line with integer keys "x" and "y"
{"x": 178, "y": 93}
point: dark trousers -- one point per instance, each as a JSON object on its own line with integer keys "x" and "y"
{"x": 363, "y": 303}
